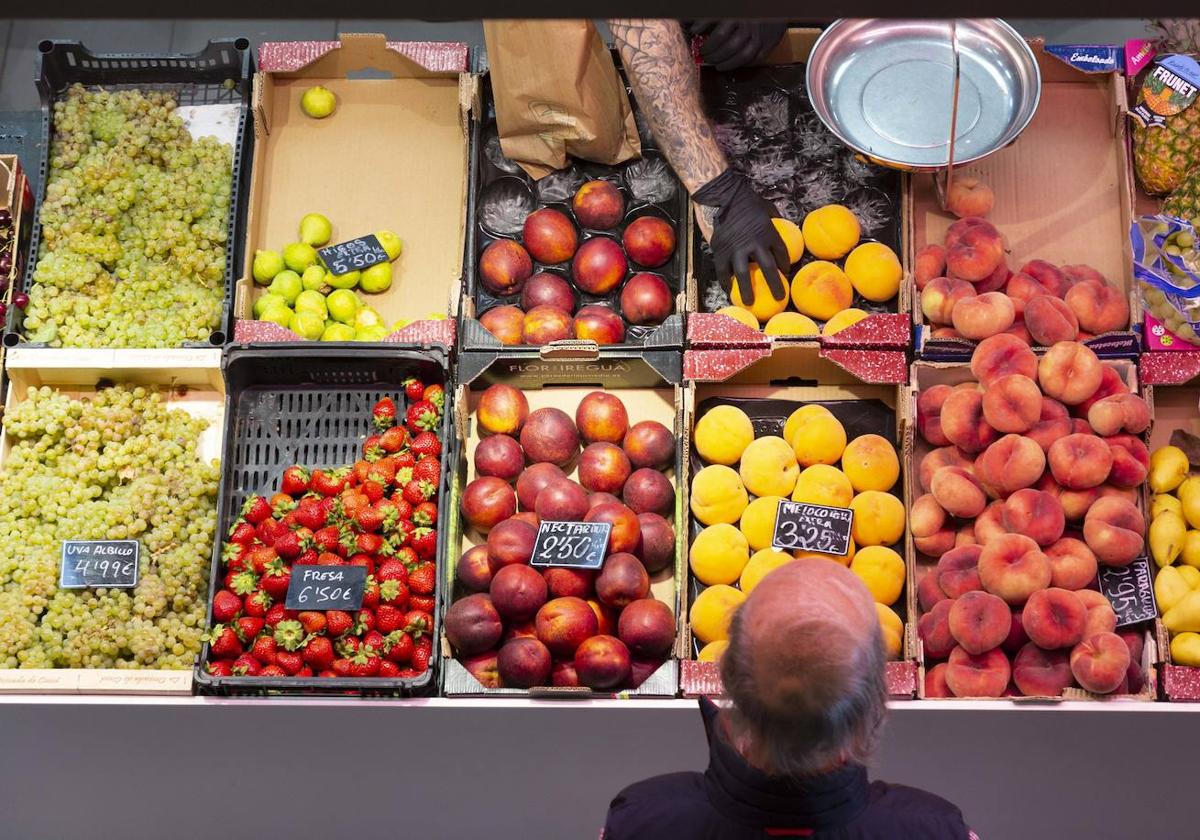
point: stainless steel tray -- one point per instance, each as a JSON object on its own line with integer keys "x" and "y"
{"x": 886, "y": 88}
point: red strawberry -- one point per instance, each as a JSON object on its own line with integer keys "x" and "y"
{"x": 404, "y": 460}
{"x": 275, "y": 581}
{"x": 393, "y": 439}
{"x": 330, "y": 483}
{"x": 407, "y": 556}
{"x": 354, "y": 501}
{"x": 382, "y": 471}
{"x": 248, "y": 627}
{"x": 424, "y": 542}
{"x": 241, "y": 583}
{"x": 242, "y": 533}
{"x": 289, "y": 661}
{"x": 328, "y": 538}
{"x": 436, "y": 394}
{"x": 392, "y": 569}
{"x": 313, "y": 621}
{"x": 276, "y": 614}
{"x": 319, "y": 653}
{"x": 256, "y": 509}
{"x": 422, "y": 602}
{"x": 220, "y": 668}
{"x": 341, "y": 667}
{"x": 422, "y": 416}
{"x": 394, "y": 593}
{"x": 233, "y": 555}
{"x": 383, "y": 415}
{"x": 371, "y": 592}
{"x": 290, "y": 635}
{"x": 364, "y": 622}
{"x": 257, "y": 604}
{"x": 294, "y": 481}
{"x": 418, "y": 623}
{"x": 404, "y": 509}
{"x": 269, "y": 530}
{"x": 370, "y": 519}
{"x": 368, "y": 543}
{"x": 364, "y": 664}
{"x": 348, "y": 645}
{"x": 428, "y": 469}
{"x": 372, "y": 451}
{"x": 328, "y": 558}
{"x": 311, "y": 514}
{"x": 271, "y": 671}
{"x": 416, "y": 492}
{"x": 388, "y": 619}
{"x": 246, "y": 666}
{"x": 373, "y": 490}
{"x": 292, "y": 544}
{"x": 364, "y": 560}
{"x": 425, "y": 514}
{"x": 264, "y": 649}
{"x": 307, "y": 558}
{"x": 223, "y": 642}
{"x": 305, "y": 672}
{"x": 422, "y": 653}
{"x": 260, "y": 557}
{"x": 338, "y": 623}
{"x": 397, "y": 646}
{"x": 414, "y": 388}
{"x": 388, "y": 670}
{"x": 422, "y": 579}
{"x": 373, "y": 640}
{"x": 425, "y": 445}
{"x": 282, "y": 504}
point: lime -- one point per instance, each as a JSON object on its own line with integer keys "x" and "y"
{"x": 287, "y": 285}
{"x": 376, "y": 279}
{"x": 310, "y": 301}
{"x": 299, "y": 256}
{"x": 390, "y": 242}
{"x": 307, "y": 325}
{"x": 266, "y": 265}
{"x": 313, "y": 278}
{"x": 315, "y": 229}
{"x": 318, "y": 102}
{"x": 343, "y": 281}
{"x": 338, "y": 332}
{"x": 343, "y": 305}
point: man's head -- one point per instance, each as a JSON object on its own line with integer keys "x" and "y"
{"x": 804, "y": 669}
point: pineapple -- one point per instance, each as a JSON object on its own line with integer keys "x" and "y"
{"x": 1164, "y": 156}
{"x": 1184, "y": 202}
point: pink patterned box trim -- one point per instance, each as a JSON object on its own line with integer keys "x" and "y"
{"x": 435, "y": 56}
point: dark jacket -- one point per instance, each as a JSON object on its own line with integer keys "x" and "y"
{"x": 732, "y": 800}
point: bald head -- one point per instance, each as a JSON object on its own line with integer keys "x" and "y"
{"x": 804, "y": 669}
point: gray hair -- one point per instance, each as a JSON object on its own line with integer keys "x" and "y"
{"x": 824, "y": 705}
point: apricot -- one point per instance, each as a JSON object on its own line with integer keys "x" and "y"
{"x": 870, "y": 462}
{"x": 874, "y": 271}
{"x": 1072, "y": 564}
{"x": 1069, "y": 372}
{"x": 940, "y": 296}
{"x": 946, "y": 456}
{"x": 1115, "y": 530}
{"x": 742, "y": 316}
{"x": 929, "y": 414}
{"x": 844, "y": 319}
{"x": 1002, "y": 355}
{"x": 1054, "y": 618}
{"x": 1079, "y": 461}
{"x": 718, "y": 495}
{"x": 1012, "y": 403}
{"x": 1036, "y": 514}
{"x": 831, "y": 231}
{"x": 984, "y": 315}
{"x": 792, "y": 323}
{"x": 929, "y": 262}
{"x": 985, "y": 675}
{"x": 1100, "y": 662}
{"x": 822, "y": 484}
{"x": 819, "y": 439}
{"x": 958, "y": 571}
{"x": 820, "y": 290}
{"x": 1099, "y": 309}
{"x": 974, "y": 248}
{"x": 1119, "y": 413}
{"x": 1013, "y": 567}
{"x": 1010, "y": 464}
{"x": 963, "y": 422}
{"x": 722, "y": 434}
{"x": 1042, "y": 673}
{"x": 1050, "y": 321}
{"x": 765, "y": 304}
{"x": 979, "y": 621}
{"x": 934, "y": 630}
{"x": 878, "y": 518}
{"x": 768, "y": 467}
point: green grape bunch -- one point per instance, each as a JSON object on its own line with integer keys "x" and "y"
{"x": 134, "y": 225}
{"x": 118, "y": 465}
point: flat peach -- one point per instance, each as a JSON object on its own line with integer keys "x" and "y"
{"x": 995, "y": 281}
{"x": 984, "y": 315}
{"x": 929, "y": 414}
{"x": 1052, "y": 409}
{"x": 935, "y": 682}
{"x": 1036, "y": 514}
{"x": 940, "y": 296}
{"x": 969, "y": 196}
{"x": 1128, "y": 494}
{"x": 1016, "y": 635}
{"x": 973, "y": 248}
{"x": 990, "y": 523}
{"x": 1047, "y": 276}
{"x": 1069, "y": 372}
{"x": 1019, "y": 331}
{"x": 1042, "y": 673}
{"x": 1119, "y": 413}
{"x": 945, "y": 332}
{"x": 1079, "y": 461}
{"x": 958, "y": 492}
{"x": 926, "y": 517}
{"x": 1045, "y": 432}
{"x": 1072, "y": 564}
{"x": 1010, "y": 464}
{"x": 1100, "y": 615}
{"x": 1013, "y": 567}
{"x": 1115, "y": 530}
{"x": 1076, "y": 274}
{"x": 1012, "y": 403}
{"x": 1050, "y": 320}
{"x": 929, "y": 591}
{"x": 946, "y": 456}
{"x": 1054, "y": 618}
{"x": 1099, "y": 309}
{"x": 930, "y": 262}
{"x": 957, "y": 571}
{"x": 965, "y": 535}
{"x": 934, "y": 629}
{"x": 985, "y": 675}
{"x": 1002, "y": 355}
{"x": 1130, "y": 461}
{"x": 1134, "y": 640}
{"x": 979, "y": 621}
{"x": 937, "y": 543}
{"x": 1099, "y": 663}
{"x": 1111, "y": 384}
{"x": 963, "y": 422}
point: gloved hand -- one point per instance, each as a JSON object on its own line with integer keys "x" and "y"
{"x": 742, "y": 231}
{"x": 729, "y": 44}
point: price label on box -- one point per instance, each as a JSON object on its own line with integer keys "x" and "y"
{"x": 92, "y": 564}
{"x": 576, "y": 545}
{"x": 1130, "y": 590}
{"x": 326, "y": 588}
{"x": 354, "y": 255}
{"x": 804, "y": 527}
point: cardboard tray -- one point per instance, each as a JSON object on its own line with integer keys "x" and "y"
{"x": 486, "y": 176}
{"x": 863, "y": 409}
{"x": 199, "y": 79}
{"x": 311, "y": 405}
{"x": 925, "y": 375}
{"x": 648, "y": 396}
{"x": 1064, "y": 193}
{"x": 191, "y": 380}
{"x": 393, "y": 155}
{"x": 889, "y": 325}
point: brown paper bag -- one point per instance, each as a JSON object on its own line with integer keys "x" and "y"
{"x": 557, "y": 93}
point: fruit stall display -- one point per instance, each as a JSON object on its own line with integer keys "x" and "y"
{"x": 375, "y": 171}
{"x": 161, "y": 146}
{"x": 752, "y": 448}
{"x": 565, "y": 455}
{"x": 332, "y": 460}
{"x": 590, "y": 253}
{"x": 106, "y": 447}
{"x": 1025, "y": 481}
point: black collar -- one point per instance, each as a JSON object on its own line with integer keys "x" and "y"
{"x": 749, "y": 796}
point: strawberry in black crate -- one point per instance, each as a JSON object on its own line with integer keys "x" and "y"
{"x": 327, "y": 580}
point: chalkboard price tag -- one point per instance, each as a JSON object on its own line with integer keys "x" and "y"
{"x": 354, "y": 255}
{"x": 326, "y": 588}
{"x": 1130, "y": 590}
{"x": 91, "y": 564}
{"x": 576, "y": 545}
{"x": 804, "y": 527}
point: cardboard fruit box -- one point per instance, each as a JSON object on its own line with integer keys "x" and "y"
{"x": 647, "y": 396}
{"x": 863, "y": 407}
{"x": 190, "y": 380}
{"x": 17, "y": 198}
{"x": 1063, "y": 193}
{"x": 925, "y": 375}
{"x": 730, "y": 100}
{"x": 392, "y": 156}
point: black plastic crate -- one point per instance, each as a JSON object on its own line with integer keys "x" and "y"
{"x": 310, "y": 405}
{"x": 200, "y": 78}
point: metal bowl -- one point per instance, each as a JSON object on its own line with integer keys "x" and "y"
{"x": 885, "y": 88}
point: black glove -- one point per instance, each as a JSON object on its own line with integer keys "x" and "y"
{"x": 730, "y": 44}
{"x": 742, "y": 231}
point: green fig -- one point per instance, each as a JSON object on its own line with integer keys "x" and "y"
{"x": 318, "y": 102}
{"x": 310, "y": 301}
{"x": 338, "y": 332}
{"x": 268, "y": 301}
{"x": 343, "y": 305}
{"x": 299, "y": 256}
{"x": 315, "y": 230}
{"x": 390, "y": 242}
{"x": 377, "y": 278}
{"x": 313, "y": 278}
{"x": 344, "y": 281}
{"x": 266, "y": 265}
{"x": 378, "y": 332}
{"x": 287, "y": 285}
{"x": 308, "y": 325}
{"x": 280, "y": 315}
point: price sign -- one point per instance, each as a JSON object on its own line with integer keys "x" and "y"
{"x": 354, "y": 255}
{"x": 91, "y": 564}
{"x": 326, "y": 588}
{"x": 805, "y": 527}
{"x": 1130, "y": 590}
{"x": 576, "y": 545}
